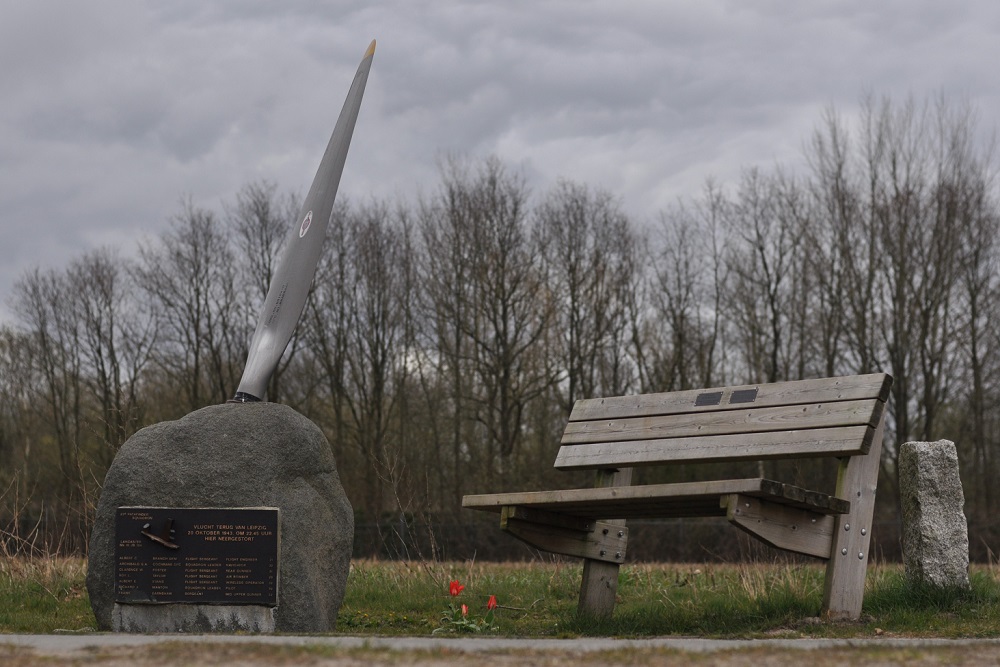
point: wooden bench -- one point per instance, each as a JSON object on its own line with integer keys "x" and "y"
{"x": 839, "y": 417}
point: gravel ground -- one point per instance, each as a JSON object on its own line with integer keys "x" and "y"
{"x": 214, "y": 651}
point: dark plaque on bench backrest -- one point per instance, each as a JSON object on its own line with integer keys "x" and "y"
{"x": 708, "y": 398}
{"x": 196, "y": 556}
{"x": 743, "y": 396}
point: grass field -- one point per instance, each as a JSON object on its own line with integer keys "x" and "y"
{"x": 538, "y": 599}
{"x": 724, "y": 601}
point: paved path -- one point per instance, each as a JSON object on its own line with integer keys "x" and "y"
{"x": 61, "y": 644}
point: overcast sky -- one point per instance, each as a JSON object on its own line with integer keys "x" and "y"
{"x": 112, "y": 111}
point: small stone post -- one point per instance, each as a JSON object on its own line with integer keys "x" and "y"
{"x": 935, "y": 532}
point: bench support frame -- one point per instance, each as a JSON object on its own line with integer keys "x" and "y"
{"x": 566, "y": 535}
{"x": 600, "y": 579}
{"x": 601, "y": 544}
{"x": 857, "y": 480}
{"x": 781, "y": 526}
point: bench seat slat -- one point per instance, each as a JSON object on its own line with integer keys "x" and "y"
{"x": 825, "y": 390}
{"x": 845, "y": 441}
{"x": 686, "y": 499}
{"x": 749, "y": 420}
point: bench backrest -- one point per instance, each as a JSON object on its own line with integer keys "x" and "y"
{"x": 805, "y": 418}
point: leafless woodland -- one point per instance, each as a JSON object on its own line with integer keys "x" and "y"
{"x": 446, "y": 339}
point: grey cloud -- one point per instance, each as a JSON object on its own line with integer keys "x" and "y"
{"x": 114, "y": 110}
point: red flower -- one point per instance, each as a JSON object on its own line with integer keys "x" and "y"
{"x": 465, "y": 610}
{"x": 491, "y": 604}
{"x": 456, "y": 588}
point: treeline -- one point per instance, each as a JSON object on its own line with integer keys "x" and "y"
{"x": 445, "y": 340}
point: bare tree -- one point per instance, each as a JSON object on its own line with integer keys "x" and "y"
{"x": 980, "y": 294}
{"x": 189, "y": 279}
{"x": 678, "y": 349}
{"x": 490, "y": 308}
{"x": 766, "y": 221}
{"x": 512, "y": 310}
{"x": 116, "y": 338}
{"x": 17, "y": 375}
{"x": 842, "y": 263}
{"x": 900, "y": 205}
{"x": 913, "y": 210}
{"x": 590, "y": 254}
{"x": 447, "y": 308}
{"x": 44, "y": 303}
{"x": 379, "y": 347}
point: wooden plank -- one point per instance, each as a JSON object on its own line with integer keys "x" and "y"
{"x": 606, "y": 543}
{"x": 541, "y": 517}
{"x": 844, "y": 587}
{"x": 843, "y": 441}
{"x": 687, "y": 499}
{"x": 789, "y": 528}
{"x": 565, "y": 500}
{"x": 795, "y": 496}
{"x": 749, "y": 420}
{"x": 599, "y": 584}
{"x": 798, "y": 392}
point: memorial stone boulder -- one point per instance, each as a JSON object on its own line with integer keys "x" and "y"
{"x": 233, "y": 518}
{"x": 263, "y": 455}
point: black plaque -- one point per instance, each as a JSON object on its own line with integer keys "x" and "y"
{"x": 744, "y": 396}
{"x": 202, "y": 556}
{"x": 709, "y": 398}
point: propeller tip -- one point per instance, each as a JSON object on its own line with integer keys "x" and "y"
{"x": 371, "y": 49}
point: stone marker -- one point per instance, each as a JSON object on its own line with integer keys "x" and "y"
{"x": 231, "y": 456}
{"x": 935, "y": 532}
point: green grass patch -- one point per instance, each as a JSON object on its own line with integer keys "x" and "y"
{"x": 712, "y": 600}
{"x": 44, "y": 595}
{"x": 534, "y": 599}
{"x": 909, "y": 609}
{"x": 538, "y": 599}
{"x": 721, "y": 601}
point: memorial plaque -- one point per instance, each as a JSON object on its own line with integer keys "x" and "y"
{"x": 202, "y": 556}
{"x": 709, "y": 398}
{"x": 744, "y": 396}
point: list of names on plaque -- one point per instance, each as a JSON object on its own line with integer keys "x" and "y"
{"x": 203, "y": 555}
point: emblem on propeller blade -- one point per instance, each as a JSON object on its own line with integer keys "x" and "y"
{"x": 306, "y": 222}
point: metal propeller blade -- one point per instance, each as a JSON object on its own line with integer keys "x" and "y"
{"x": 286, "y": 296}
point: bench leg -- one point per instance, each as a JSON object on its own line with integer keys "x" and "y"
{"x": 600, "y": 578}
{"x": 598, "y": 590}
{"x": 844, "y": 588}
{"x": 601, "y": 545}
